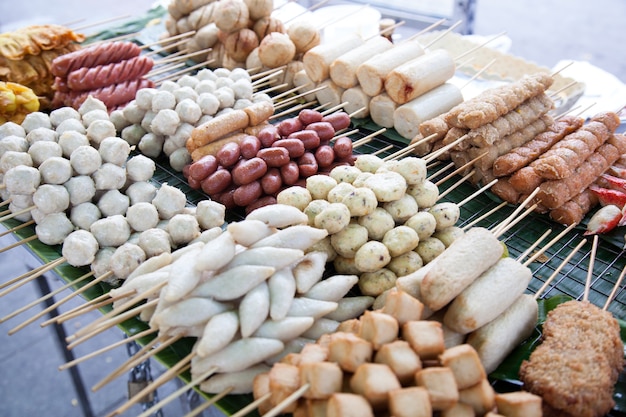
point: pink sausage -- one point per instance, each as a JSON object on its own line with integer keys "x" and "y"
{"x": 324, "y": 130}
{"x": 325, "y": 155}
{"x": 246, "y": 194}
{"x": 295, "y": 147}
{"x": 271, "y": 181}
{"x": 290, "y": 173}
{"x": 343, "y": 147}
{"x": 274, "y": 156}
{"x": 339, "y": 120}
{"x": 249, "y": 170}
{"x": 217, "y": 182}
{"x": 268, "y": 135}
{"x": 229, "y": 154}
{"x": 250, "y": 145}
{"x": 308, "y": 116}
{"x": 203, "y": 167}
{"x": 310, "y": 138}
{"x": 288, "y": 126}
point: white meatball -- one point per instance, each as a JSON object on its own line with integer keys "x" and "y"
{"x": 133, "y": 134}
{"x": 187, "y": 81}
{"x": 209, "y": 104}
{"x": 446, "y": 214}
{"x": 53, "y": 228}
{"x": 126, "y": 259}
{"x": 340, "y": 191}
{"x": 140, "y": 168}
{"x": 449, "y": 235}
{"x": 11, "y": 129}
{"x": 147, "y": 120}
{"x": 165, "y": 122}
{"x": 117, "y": 118}
{"x": 334, "y": 218}
{"x": 206, "y": 74}
{"x": 93, "y": 115}
{"x": 19, "y": 212}
{"x": 368, "y": 162}
{"x": 113, "y": 202}
{"x": 429, "y": 248}
{"x": 114, "y": 150}
{"x": 319, "y": 185}
{"x": 43, "y": 150}
{"x": 80, "y": 248}
{"x": 345, "y": 173}
{"x": 185, "y": 93}
{"x": 314, "y": 208}
{"x": 21, "y": 201}
{"x": 11, "y": 159}
{"x": 22, "y": 179}
{"x": 242, "y": 89}
{"x": 111, "y": 231}
{"x": 163, "y": 99}
{"x": 71, "y": 140}
{"x": 226, "y": 97}
{"x": 155, "y": 242}
{"x": 151, "y": 144}
{"x": 91, "y": 104}
{"x": 405, "y": 264}
{"x": 372, "y": 256}
{"x": 347, "y": 241}
{"x": 168, "y": 86}
{"x": 210, "y": 214}
{"x": 205, "y": 86}
{"x": 183, "y": 228}
{"x": 169, "y": 201}
{"x": 298, "y": 197}
{"x": 36, "y": 119}
{"x": 99, "y": 130}
{"x": 133, "y": 113}
{"x": 188, "y": 111}
{"x": 101, "y": 262}
{"x": 141, "y": 191}
{"x": 68, "y": 125}
{"x": 179, "y": 158}
{"x": 144, "y": 97}
{"x": 388, "y": 186}
{"x": 179, "y": 138}
{"x": 51, "y": 198}
{"x": 109, "y": 177}
{"x": 41, "y": 134}
{"x": 361, "y": 201}
{"x": 85, "y": 160}
{"x": 55, "y": 170}
{"x": 84, "y": 215}
{"x": 57, "y": 116}
{"x": 142, "y": 216}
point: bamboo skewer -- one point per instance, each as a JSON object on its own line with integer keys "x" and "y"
{"x": 100, "y": 22}
{"x": 457, "y": 184}
{"x": 182, "y": 72}
{"x": 287, "y": 401}
{"x": 273, "y": 88}
{"x": 475, "y": 48}
{"x": 444, "y": 33}
{"x": 17, "y": 213}
{"x": 16, "y": 228}
{"x": 484, "y": 216}
{"x": 58, "y": 303}
{"x": 552, "y": 242}
{"x": 310, "y": 9}
{"x": 592, "y": 258}
{"x": 333, "y": 109}
{"x": 18, "y": 243}
{"x": 77, "y": 311}
{"x": 6, "y": 202}
{"x": 409, "y": 148}
{"x": 208, "y": 403}
{"x": 517, "y": 210}
{"x": 169, "y": 39}
{"x": 44, "y": 298}
{"x": 534, "y": 245}
{"x": 458, "y": 170}
{"x": 166, "y": 376}
{"x": 368, "y": 138}
{"x": 559, "y": 268}
{"x": 444, "y": 149}
{"x": 427, "y": 29}
{"x": 162, "y": 403}
{"x": 526, "y": 212}
{"x": 46, "y": 268}
{"x": 618, "y": 283}
{"x": 382, "y": 150}
{"x": 273, "y": 74}
{"x": 106, "y": 349}
{"x": 253, "y": 405}
{"x": 476, "y": 193}
{"x": 291, "y": 110}
{"x": 479, "y": 73}
{"x": 21, "y": 277}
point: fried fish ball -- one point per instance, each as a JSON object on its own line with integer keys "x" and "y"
{"x": 304, "y": 35}
{"x": 83, "y": 215}
{"x": 405, "y": 264}
{"x": 348, "y": 240}
{"x": 377, "y": 223}
{"x": 344, "y": 173}
{"x": 372, "y": 256}
{"x": 51, "y": 198}
{"x": 114, "y": 150}
{"x": 424, "y": 223}
{"x": 402, "y": 209}
{"x": 85, "y": 160}
{"x": 446, "y": 214}
{"x": 155, "y": 241}
{"x": 169, "y": 201}
{"x": 333, "y": 218}
{"x": 400, "y": 239}
{"x": 183, "y": 228}
{"x": 53, "y": 228}
{"x": 111, "y": 231}
{"x": 141, "y": 191}
{"x": 113, "y": 202}
{"x": 426, "y": 194}
{"x": 319, "y": 185}
{"x": 377, "y": 282}
{"x": 429, "y": 248}
{"x": 361, "y": 202}
{"x": 109, "y": 177}
{"x": 55, "y": 170}
{"x": 295, "y": 196}
{"x": 388, "y": 186}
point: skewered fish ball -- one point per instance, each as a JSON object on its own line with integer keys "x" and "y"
{"x": 24, "y": 216}
{"x": 133, "y": 113}
{"x": 90, "y": 117}
{"x": 53, "y": 228}
{"x": 111, "y": 231}
{"x": 36, "y": 119}
{"x": 57, "y": 116}
{"x": 141, "y": 191}
{"x": 101, "y": 262}
{"x": 126, "y": 259}
{"x": 183, "y": 228}
{"x": 113, "y": 202}
{"x": 70, "y": 125}
{"x": 43, "y": 150}
{"x": 22, "y": 179}
{"x": 140, "y": 168}
{"x": 51, "y": 198}
{"x": 11, "y": 159}
{"x": 55, "y": 170}
{"x": 133, "y": 134}
{"x": 84, "y": 215}
{"x": 210, "y": 214}
{"x": 144, "y": 98}
{"x": 109, "y": 177}
{"x": 169, "y": 201}
{"x": 81, "y": 189}
{"x": 85, "y": 160}
{"x": 91, "y": 104}
{"x": 151, "y": 144}
{"x": 155, "y": 242}
{"x": 163, "y": 99}
{"x": 71, "y": 140}
{"x": 11, "y": 129}
{"x": 114, "y": 150}
{"x": 41, "y": 134}
{"x": 79, "y": 248}
{"x": 99, "y": 130}
{"x": 142, "y": 216}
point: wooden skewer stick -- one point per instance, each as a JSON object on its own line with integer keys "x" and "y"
{"x": 180, "y": 57}
{"x": 552, "y": 242}
{"x": 46, "y": 268}
{"x": 559, "y": 268}
{"x": 534, "y": 245}
{"x": 21, "y": 277}
{"x": 357, "y": 111}
{"x": 476, "y": 193}
{"x": 265, "y": 73}
{"x": 479, "y": 73}
{"x": 344, "y": 134}
{"x": 85, "y": 308}
{"x": 254, "y": 404}
{"x": 268, "y": 77}
{"x": 210, "y": 402}
{"x": 106, "y": 348}
{"x": 387, "y": 29}
{"x": 17, "y": 213}
{"x": 444, "y": 169}
{"x": 170, "y": 57}
{"x": 164, "y": 69}
{"x": 4, "y": 213}
{"x": 503, "y": 224}
{"x": 6, "y": 202}
{"x": 458, "y": 170}
{"x": 517, "y": 220}
{"x": 72, "y": 312}
{"x": 291, "y": 110}
{"x": 162, "y": 403}
{"x": 562, "y": 68}
{"x": 382, "y": 150}
{"x": 592, "y": 259}
{"x": 140, "y": 356}
{"x": 323, "y": 87}
{"x": 166, "y": 376}
{"x": 44, "y": 298}
{"x": 292, "y": 90}
{"x": 287, "y": 401}
{"x": 477, "y": 47}
{"x": 457, "y": 184}
{"x": 310, "y": 9}
{"x": 444, "y": 33}
{"x": 110, "y": 323}
{"x": 408, "y": 149}
{"x": 272, "y": 88}
{"x": 18, "y": 243}
{"x": 101, "y": 22}
{"x": 368, "y": 138}
{"x": 618, "y": 283}
{"x": 338, "y": 107}
{"x": 436, "y": 154}
{"x": 554, "y": 94}
{"x": 169, "y": 39}
{"x": 427, "y": 29}
{"x": 166, "y": 48}
{"x": 16, "y": 228}
{"x": 116, "y": 38}
{"x": 121, "y": 308}
{"x": 484, "y": 216}
{"x": 58, "y": 303}
{"x": 182, "y": 72}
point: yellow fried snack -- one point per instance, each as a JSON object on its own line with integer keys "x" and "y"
{"x": 16, "y": 101}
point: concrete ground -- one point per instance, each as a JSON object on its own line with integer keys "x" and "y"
{"x": 542, "y": 31}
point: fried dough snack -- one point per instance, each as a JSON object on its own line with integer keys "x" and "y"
{"x": 491, "y": 104}
{"x": 32, "y": 40}
{"x": 16, "y": 101}
{"x": 31, "y": 68}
